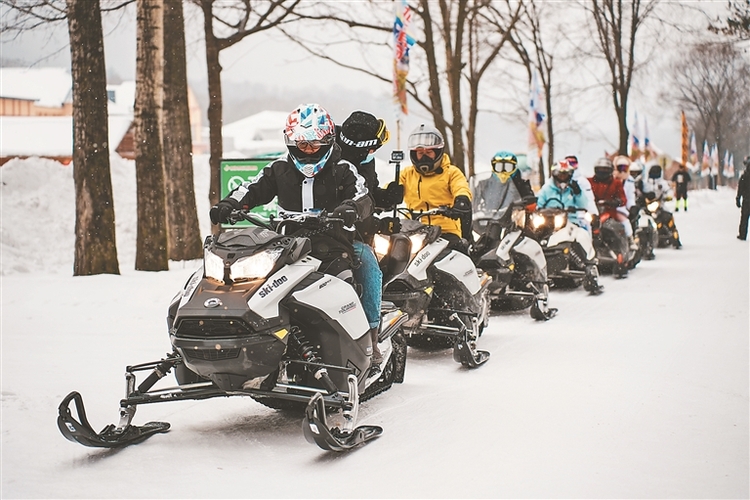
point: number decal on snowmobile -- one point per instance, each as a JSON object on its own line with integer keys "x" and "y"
{"x": 340, "y": 304}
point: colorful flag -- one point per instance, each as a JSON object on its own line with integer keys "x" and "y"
{"x": 705, "y": 160}
{"x": 728, "y": 170}
{"x": 714, "y": 160}
{"x": 536, "y": 117}
{"x": 684, "y": 144}
{"x": 635, "y": 139}
{"x": 402, "y": 43}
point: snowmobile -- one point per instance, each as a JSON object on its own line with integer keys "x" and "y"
{"x": 612, "y": 247}
{"x": 514, "y": 260}
{"x": 258, "y": 319}
{"x": 666, "y": 229}
{"x": 571, "y": 260}
{"x": 645, "y": 233}
{"x": 438, "y": 287}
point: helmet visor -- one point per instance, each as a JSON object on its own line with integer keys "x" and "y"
{"x": 425, "y": 140}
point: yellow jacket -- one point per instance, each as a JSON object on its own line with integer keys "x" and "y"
{"x": 425, "y": 192}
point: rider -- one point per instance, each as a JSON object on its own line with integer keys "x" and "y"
{"x": 558, "y": 191}
{"x": 654, "y": 186}
{"x": 432, "y": 182}
{"x": 359, "y": 137}
{"x": 496, "y": 193}
{"x": 312, "y": 177}
{"x": 610, "y": 196}
{"x": 680, "y": 180}
{"x": 580, "y": 183}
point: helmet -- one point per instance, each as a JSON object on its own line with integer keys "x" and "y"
{"x": 622, "y": 163}
{"x": 572, "y": 161}
{"x": 360, "y": 134}
{"x": 654, "y": 171}
{"x": 309, "y": 135}
{"x": 504, "y": 161}
{"x": 603, "y": 169}
{"x": 426, "y": 148}
{"x": 561, "y": 173}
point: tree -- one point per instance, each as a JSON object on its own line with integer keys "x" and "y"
{"x": 236, "y": 20}
{"x": 151, "y": 239}
{"x": 710, "y": 81}
{"x": 617, "y": 24}
{"x": 737, "y": 24}
{"x": 95, "y": 246}
{"x": 182, "y": 216}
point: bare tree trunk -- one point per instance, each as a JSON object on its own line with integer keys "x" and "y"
{"x": 151, "y": 240}
{"x": 184, "y": 233}
{"x": 214, "y": 104}
{"x": 436, "y": 100}
{"x": 95, "y": 246}
{"x": 454, "y": 66}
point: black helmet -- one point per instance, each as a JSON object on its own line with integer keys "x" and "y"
{"x": 603, "y": 169}
{"x": 360, "y": 134}
{"x": 426, "y": 146}
{"x": 654, "y": 172}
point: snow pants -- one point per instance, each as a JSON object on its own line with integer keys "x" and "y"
{"x": 370, "y": 277}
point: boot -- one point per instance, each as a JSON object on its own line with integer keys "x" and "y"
{"x": 377, "y": 357}
{"x": 632, "y": 244}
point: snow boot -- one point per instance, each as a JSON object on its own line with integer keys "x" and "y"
{"x": 377, "y": 357}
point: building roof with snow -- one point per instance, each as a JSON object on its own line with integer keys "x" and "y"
{"x": 261, "y": 133}
{"x": 49, "y": 87}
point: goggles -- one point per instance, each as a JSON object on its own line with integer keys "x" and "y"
{"x": 421, "y": 152}
{"x": 622, "y": 167}
{"x": 573, "y": 162}
{"x": 503, "y": 166}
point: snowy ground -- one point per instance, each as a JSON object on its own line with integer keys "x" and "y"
{"x": 641, "y": 392}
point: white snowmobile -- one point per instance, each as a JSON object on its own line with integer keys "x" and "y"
{"x": 440, "y": 289}
{"x": 258, "y": 319}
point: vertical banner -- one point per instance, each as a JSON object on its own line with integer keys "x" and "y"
{"x": 714, "y": 160}
{"x": 635, "y": 139}
{"x": 646, "y": 140}
{"x": 537, "y": 138}
{"x": 685, "y": 144}
{"x": 402, "y": 44}
{"x": 705, "y": 160}
{"x": 693, "y": 153}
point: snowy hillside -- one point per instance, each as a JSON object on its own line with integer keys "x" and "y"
{"x": 640, "y": 392}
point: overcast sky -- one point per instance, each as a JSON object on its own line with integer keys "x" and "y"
{"x": 267, "y": 59}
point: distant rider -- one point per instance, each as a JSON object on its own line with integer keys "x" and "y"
{"x": 610, "y": 196}
{"x": 432, "y": 182}
{"x": 680, "y": 180}
{"x": 558, "y": 192}
{"x": 743, "y": 199}
{"x": 580, "y": 182}
{"x": 654, "y": 186}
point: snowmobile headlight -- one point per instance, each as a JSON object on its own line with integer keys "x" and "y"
{"x": 519, "y": 218}
{"x": 417, "y": 242}
{"x": 653, "y": 206}
{"x": 255, "y": 266}
{"x": 213, "y": 266}
{"x": 537, "y": 221}
{"x": 560, "y": 221}
{"x": 589, "y": 217}
{"x": 381, "y": 244}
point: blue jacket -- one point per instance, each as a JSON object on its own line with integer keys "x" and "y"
{"x": 551, "y": 196}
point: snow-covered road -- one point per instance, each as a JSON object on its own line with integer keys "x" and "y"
{"x": 639, "y": 392}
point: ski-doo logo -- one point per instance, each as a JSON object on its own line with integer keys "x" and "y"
{"x": 323, "y": 285}
{"x": 347, "y": 307}
{"x": 422, "y": 258}
{"x": 467, "y": 273}
{"x": 270, "y": 286}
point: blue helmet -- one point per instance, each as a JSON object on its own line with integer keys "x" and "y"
{"x": 504, "y": 161}
{"x": 309, "y": 135}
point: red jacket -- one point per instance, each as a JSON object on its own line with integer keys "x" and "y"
{"x": 612, "y": 190}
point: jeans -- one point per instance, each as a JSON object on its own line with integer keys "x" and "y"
{"x": 369, "y": 275}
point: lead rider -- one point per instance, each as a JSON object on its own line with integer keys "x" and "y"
{"x": 312, "y": 177}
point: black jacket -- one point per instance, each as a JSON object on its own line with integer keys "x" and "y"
{"x": 338, "y": 182}
{"x": 743, "y": 187}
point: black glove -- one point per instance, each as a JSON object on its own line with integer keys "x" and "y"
{"x": 575, "y": 188}
{"x": 346, "y": 211}
{"x": 389, "y": 225}
{"x": 739, "y": 202}
{"x": 219, "y": 213}
{"x": 392, "y": 195}
{"x": 633, "y": 212}
{"x": 462, "y": 205}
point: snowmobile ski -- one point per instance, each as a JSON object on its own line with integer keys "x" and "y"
{"x": 316, "y": 429}
{"x": 111, "y": 436}
{"x": 464, "y": 350}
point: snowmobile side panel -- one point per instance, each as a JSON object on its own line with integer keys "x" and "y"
{"x": 533, "y": 250}
{"x": 418, "y": 266}
{"x": 266, "y": 301}
{"x": 462, "y": 267}
{"x": 503, "y": 249}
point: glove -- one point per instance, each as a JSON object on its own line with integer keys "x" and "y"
{"x": 389, "y": 225}
{"x": 346, "y": 211}
{"x": 633, "y": 212}
{"x": 575, "y": 188}
{"x": 219, "y": 213}
{"x": 392, "y": 195}
{"x": 462, "y": 205}
{"x": 738, "y": 200}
